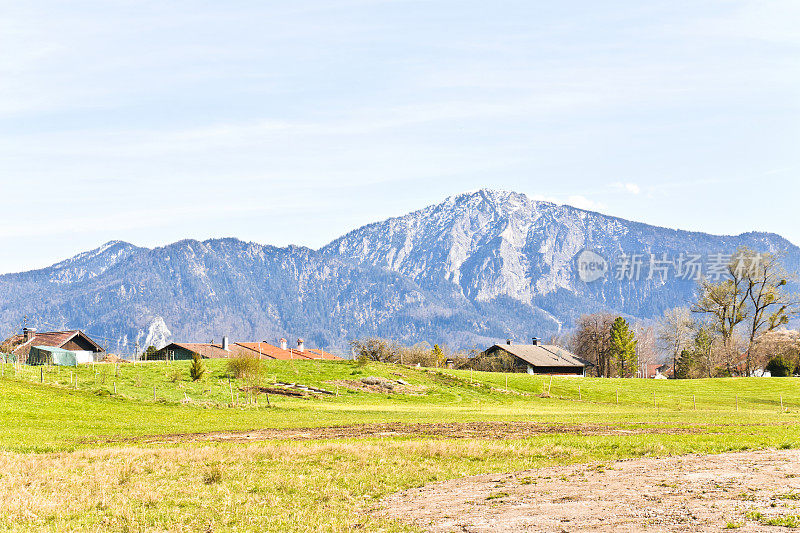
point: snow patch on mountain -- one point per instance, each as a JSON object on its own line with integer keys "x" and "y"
{"x": 90, "y": 264}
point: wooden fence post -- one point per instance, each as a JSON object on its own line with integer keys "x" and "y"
{"x": 694, "y": 402}
{"x": 781, "y": 402}
{"x": 617, "y": 396}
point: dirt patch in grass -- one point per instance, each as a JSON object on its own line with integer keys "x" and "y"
{"x": 472, "y": 430}
{"x": 748, "y": 491}
{"x": 383, "y": 387}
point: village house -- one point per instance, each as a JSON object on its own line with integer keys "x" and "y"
{"x": 658, "y": 371}
{"x": 51, "y": 347}
{"x": 179, "y": 351}
{"x": 535, "y": 358}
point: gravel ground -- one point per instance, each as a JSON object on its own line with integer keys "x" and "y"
{"x": 744, "y": 490}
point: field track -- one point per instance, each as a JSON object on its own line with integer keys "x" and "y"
{"x": 457, "y": 430}
{"x": 749, "y": 491}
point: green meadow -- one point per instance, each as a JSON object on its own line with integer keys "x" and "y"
{"x": 82, "y": 457}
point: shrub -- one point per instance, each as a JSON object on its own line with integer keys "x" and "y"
{"x": 174, "y": 375}
{"x": 780, "y": 367}
{"x": 197, "y": 369}
{"x": 244, "y": 366}
{"x": 212, "y": 475}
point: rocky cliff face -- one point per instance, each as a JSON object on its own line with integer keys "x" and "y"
{"x": 497, "y": 245}
{"x": 473, "y": 269}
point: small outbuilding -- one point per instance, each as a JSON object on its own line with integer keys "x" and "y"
{"x": 32, "y": 347}
{"x": 534, "y": 358}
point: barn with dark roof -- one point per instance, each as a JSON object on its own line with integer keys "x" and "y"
{"x": 534, "y": 358}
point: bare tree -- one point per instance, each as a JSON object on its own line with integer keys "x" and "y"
{"x": 592, "y": 341}
{"x": 753, "y": 298}
{"x": 780, "y": 343}
{"x": 376, "y": 349}
{"x": 646, "y": 346}
{"x": 675, "y": 332}
{"x": 724, "y": 304}
{"x": 770, "y": 306}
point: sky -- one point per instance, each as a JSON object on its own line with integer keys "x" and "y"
{"x": 294, "y": 122}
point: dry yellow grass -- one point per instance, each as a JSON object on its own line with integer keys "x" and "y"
{"x": 322, "y": 485}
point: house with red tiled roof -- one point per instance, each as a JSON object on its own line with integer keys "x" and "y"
{"x": 19, "y": 346}
{"x": 658, "y": 371}
{"x": 262, "y": 350}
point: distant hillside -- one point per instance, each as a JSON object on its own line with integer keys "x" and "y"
{"x": 476, "y": 268}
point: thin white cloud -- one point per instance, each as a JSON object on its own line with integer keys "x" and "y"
{"x": 628, "y": 187}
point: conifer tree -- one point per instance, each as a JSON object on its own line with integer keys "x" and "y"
{"x": 623, "y": 348}
{"x": 197, "y": 369}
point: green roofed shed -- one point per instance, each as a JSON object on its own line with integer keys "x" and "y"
{"x": 48, "y": 355}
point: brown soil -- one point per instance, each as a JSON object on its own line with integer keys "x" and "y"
{"x": 360, "y": 386}
{"x": 686, "y": 494}
{"x": 475, "y": 430}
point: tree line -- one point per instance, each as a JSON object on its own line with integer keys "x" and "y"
{"x": 732, "y": 328}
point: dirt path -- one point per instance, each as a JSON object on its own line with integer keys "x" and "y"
{"x": 687, "y": 494}
{"x": 475, "y": 430}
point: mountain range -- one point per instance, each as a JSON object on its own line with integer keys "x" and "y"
{"x": 476, "y": 268}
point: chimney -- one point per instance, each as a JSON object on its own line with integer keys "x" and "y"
{"x": 300, "y": 346}
{"x": 225, "y": 345}
{"x": 535, "y": 341}
{"x": 508, "y": 341}
{"x": 284, "y": 344}
{"x": 28, "y": 333}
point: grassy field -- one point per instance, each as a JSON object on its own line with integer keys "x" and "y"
{"x": 65, "y": 466}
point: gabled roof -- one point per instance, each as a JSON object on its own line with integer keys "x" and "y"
{"x": 268, "y": 351}
{"x": 315, "y": 353}
{"x": 208, "y": 350}
{"x": 54, "y": 339}
{"x": 543, "y": 355}
{"x": 263, "y": 349}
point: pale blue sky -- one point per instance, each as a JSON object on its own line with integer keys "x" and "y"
{"x": 293, "y": 122}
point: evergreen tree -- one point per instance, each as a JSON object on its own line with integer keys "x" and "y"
{"x": 623, "y": 348}
{"x": 196, "y": 369}
{"x": 684, "y": 365}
